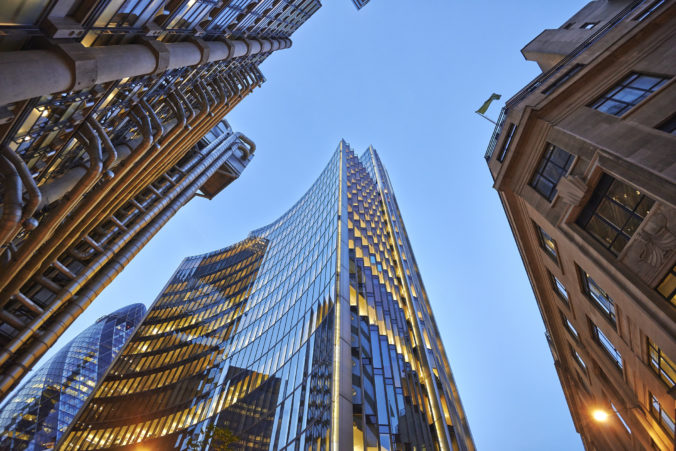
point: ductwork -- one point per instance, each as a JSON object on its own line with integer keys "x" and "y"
{"x": 12, "y": 206}
{"x": 34, "y": 73}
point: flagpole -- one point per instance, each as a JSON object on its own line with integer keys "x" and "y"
{"x": 488, "y": 119}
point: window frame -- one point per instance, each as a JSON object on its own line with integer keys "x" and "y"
{"x": 592, "y": 210}
{"x": 671, "y": 274}
{"x": 558, "y": 285}
{"x": 544, "y": 164}
{"x": 659, "y": 413}
{"x": 625, "y": 83}
{"x": 606, "y": 345}
{"x": 609, "y": 313}
{"x": 655, "y": 362}
{"x": 544, "y": 238}
{"x": 511, "y": 131}
{"x": 569, "y": 327}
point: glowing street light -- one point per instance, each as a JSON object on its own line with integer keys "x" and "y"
{"x": 600, "y": 415}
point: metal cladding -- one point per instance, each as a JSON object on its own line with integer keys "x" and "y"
{"x": 313, "y": 333}
{"x": 104, "y": 109}
{"x": 40, "y": 412}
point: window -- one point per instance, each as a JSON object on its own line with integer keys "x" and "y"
{"x": 662, "y": 365}
{"x": 569, "y": 327}
{"x": 568, "y": 26}
{"x": 649, "y": 10}
{"x": 563, "y": 78}
{"x": 601, "y": 299}
{"x": 606, "y": 345}
{"x": 578, "y": 359}
{"x": 619, "y": 417}
{"x": 589, "y": 25}
{"x": 554, "y": 164}
{"x": 614, "y": 212}
{"x": 560, "y": 288}
{"x": 546, "y": 242}
{"x": 627, "y": 93}
{"x": 669, "y": 125}
{"x": 508, "y": 141}
{"x": 661, "y": 415}
{"x": 667, "y": 288}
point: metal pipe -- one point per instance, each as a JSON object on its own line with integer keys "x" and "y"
{"x": 114, "y": 259}
{"x": 111, "y": 152}
{"x": 34, "y": 73}
{"x": 13, "y": 205}
{"x": 34, "y": 195}
{"x": 45, "y": 230}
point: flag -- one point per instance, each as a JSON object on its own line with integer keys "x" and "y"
{"x": 487, "y": 103}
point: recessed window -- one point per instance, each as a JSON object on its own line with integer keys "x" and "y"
{"x": 589, "y": 25}
{"x": 563, "y": 78}
{"x": 614, "y": 212}
{"x": 606, "y": 345}
{"x": 661, "y": 416}
{"x": 569, "y": 326}
{"x": 667, "y": 288}
{"x": 599, "y": 297}
{"x": 568, "y": 26}
{"x": 554, "y": 164}
{"x": 662, "y": 365}
{"x": 508, "y": 140}
{"x": 547, "y": 242}
{"x": 628, "y": 93}
{"x": 669, "y": 125}
{"x": 578, "y": 359}
{"x": 560, "y": 288}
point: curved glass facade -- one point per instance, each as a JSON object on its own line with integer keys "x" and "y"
{"x": 40, "y": 412}
{"x": 313, "y": 333}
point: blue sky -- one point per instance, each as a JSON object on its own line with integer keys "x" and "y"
{"x": 406, "y": 77}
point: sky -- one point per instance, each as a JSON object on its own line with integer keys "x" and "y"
{"x": 406, "y": 77}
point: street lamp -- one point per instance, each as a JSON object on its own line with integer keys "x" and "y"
{"x": 600, "y": 415}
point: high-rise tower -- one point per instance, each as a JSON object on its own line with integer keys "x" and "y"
{"x": 315, "y": 332}
{"x": 101, "y": 102}
{"x": 584, "y": 161}
{"x": 39, "y": 413}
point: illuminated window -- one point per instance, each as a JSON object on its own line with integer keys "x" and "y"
{"x": 606, "y": 345}
{"x": 614, "y": 212}
{"x": 662, "y": 365}
{"x": 661, "y": 416}
{"x": 547, "y": 242}
{"x": 554, "y": 164}
{"x": 627, "y": 93}
{"x": 667, "y": 288}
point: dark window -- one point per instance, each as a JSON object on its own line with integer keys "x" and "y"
{"x": 606, "y": 345}
{"x": 649, "y": 10}
{"x": 546, "y": 242}
{"x": 508, "y": 141}
{"x": 627, "y": 93}
{"x": 568, "y": 26}
{"x": 560, "y": 288}
{"x": 589, "y": 25}
{"x": 614, "y": 212}
{"x": 563, "y": 78}
{"x": 554, "y": 164}
{"x": 667, "y": 288}
{"x": 601, "y": 299}
{"x": 669, "y": 125}
{"x": 661, "y": 416}
{"x": 662, "y": 365}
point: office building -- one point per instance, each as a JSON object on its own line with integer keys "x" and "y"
{"x": 315, "y": 332}
{"x": 101, "y": 102}
{"x": 584, "y": 161}
{"x": 39, "y": 413}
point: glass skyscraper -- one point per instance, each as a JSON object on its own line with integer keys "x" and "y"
{"x": 313, "y": 333}
{"x": 39, "y": 413}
